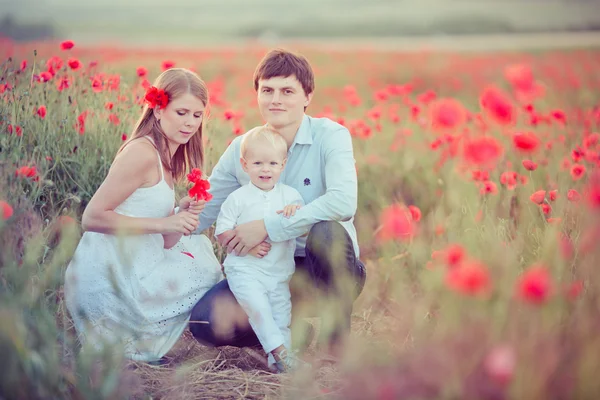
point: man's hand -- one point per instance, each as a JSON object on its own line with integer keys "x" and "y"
{"x": 224, "y": 238}
{"x": 247, "y": 236}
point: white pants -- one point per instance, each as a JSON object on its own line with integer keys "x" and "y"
{"x": 268, "y": 304}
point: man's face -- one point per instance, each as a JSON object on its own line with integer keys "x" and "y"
{"x": 281, "y": 101}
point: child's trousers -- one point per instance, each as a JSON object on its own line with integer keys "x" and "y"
{"x": 267, "y": 302}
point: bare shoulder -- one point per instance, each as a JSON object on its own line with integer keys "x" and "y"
{"x": 138, "y": 155}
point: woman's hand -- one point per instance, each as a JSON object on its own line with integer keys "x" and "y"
{"x": 190, "y": 205}
{"x": 289, "y": 210}
{"x": 261, "y": 250}
{"x": 183, "y": 222}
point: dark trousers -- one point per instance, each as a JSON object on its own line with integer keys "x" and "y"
{"x": 326, "y": 283}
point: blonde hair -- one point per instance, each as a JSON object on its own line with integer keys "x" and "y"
{"x": 265, "y": 133}
{"x": 176, "y": 82}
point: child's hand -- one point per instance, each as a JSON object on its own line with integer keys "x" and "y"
{"x": 260, "y": 250}
{"x": 289, "y": 210}
{"x": 192, "y": 206}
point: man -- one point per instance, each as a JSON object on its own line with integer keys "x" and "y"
{"x": 320, "y": 165}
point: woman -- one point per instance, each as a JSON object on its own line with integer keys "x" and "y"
{"x": 132, "y": 281}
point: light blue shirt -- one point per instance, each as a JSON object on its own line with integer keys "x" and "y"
{"x": 320, "y": 165}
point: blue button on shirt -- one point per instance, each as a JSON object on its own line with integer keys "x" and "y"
{"x": 320, "y": 166}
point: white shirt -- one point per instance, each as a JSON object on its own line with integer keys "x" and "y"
{"x": 320, "y": 166}
{"x": 250, "y": 203}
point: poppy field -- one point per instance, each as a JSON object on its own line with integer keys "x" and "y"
{"x": 478, "y": 219}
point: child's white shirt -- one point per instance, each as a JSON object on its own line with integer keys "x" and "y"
{"x": 250, "y": 203}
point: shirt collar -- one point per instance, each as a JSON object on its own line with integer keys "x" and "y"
{"x": 304, "y": 134}
{"x": 262, "y": 192}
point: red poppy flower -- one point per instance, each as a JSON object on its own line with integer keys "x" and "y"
{"x": 546, "y": 209}
{"x": 45, "y": 77}
{"x": 396, "y": 223}
{"x": 577, "y": 171}
{"x": 67, "y": 45}
{"x": 526, "y": 142}
{"x": 559, "y": 115}
{"x": 497, "y": 106}
{"x": 509, "y": 179}
{"x": 454, "y": 255}
{"x": 538, "y": 197}
{"x": 80, "y": 125}
{"x": 489, "y": 187}
{"x": 156, "y": 98}
{"x": 199, "y": 190}
{"x": 27, "y": 172}
{"x": 483, "y": 151}
{"x": 74, "y": 64}
{"x": 447, "y": 114}
{"x": 470, "y": 278}
{"x": 63, "y": 83}
{"x": 573, "y": 195}
{"x": 591, "y": 140}
{"x": 123, "y": 137}
{"x": 41, "y": 112}
{"x": 6, "y": 211}
{"x": 426, "y": 97}
{"x": 114, "y": 119}
{"x": 141, "y": 71}
{"x": 534, "y": 285}
{"x": 479, "y": 175}
{"x": 167, "y": 64}
{"x": 415, "y": 213}
{"x": 520, "y": 77}
{"x": 529, "y": 165}
{"x": 593, "y": 190}
{"x": 97, "y": 84}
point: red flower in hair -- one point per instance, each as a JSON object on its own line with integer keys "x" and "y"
{"x": 156, "y": 97}
{"x": 200, "y": 189}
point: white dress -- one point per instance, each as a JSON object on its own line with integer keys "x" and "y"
{"x": 132, "y": 291}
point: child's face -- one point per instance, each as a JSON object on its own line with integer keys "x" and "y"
{"x": 264, "y": 164}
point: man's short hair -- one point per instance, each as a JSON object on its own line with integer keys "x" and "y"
{"x": 284, "y": 63}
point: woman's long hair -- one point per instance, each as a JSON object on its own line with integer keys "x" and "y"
{"x": 176, "y": 82}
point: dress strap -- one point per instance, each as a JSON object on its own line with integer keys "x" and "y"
{"x": 160, "y": 165}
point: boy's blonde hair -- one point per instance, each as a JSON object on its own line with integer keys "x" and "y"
{"x": 263, "y": 133}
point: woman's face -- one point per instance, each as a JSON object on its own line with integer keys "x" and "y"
{"x": 181, "y": 119}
